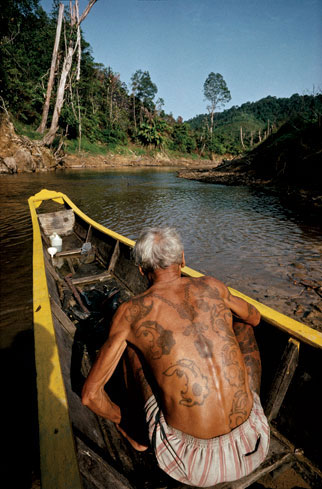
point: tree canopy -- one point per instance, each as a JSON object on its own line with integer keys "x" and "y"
{"x": 143, "y": 87}
{"x": 216, "y": 91}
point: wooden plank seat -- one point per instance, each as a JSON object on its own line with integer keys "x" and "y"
{"x": 61, "y": 222}
{"x": 100, "y": 277}
{"x": 68, "y": 253}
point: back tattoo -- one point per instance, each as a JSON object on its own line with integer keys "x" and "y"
{"x": 194, "y": 384}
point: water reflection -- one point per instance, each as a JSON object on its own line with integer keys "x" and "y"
{"x": 244, "y": 237}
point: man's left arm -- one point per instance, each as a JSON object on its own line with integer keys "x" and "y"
{"x": 242, "y": 309}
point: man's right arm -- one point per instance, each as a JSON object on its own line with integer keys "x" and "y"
{"x": 93, "y": 393}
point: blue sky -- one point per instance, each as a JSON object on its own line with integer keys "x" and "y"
{"x": 261, "y": 47}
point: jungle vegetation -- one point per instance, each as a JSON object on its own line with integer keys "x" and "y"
{"x": 100, "y": 108}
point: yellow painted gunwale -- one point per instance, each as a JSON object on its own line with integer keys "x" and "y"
{"x": 58, "y": 462}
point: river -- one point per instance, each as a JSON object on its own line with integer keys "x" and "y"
{"x": 243, "y": 236}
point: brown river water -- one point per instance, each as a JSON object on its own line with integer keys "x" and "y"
{"x": 243, "y": 236}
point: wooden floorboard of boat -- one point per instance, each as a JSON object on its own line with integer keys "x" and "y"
{"x": 100, "y": 277}
{"x": 96, "y": 473}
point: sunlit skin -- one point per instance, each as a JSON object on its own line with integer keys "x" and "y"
{"x": 187, "y": 331}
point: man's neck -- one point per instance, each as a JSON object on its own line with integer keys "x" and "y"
{"x": 165, "y": 275}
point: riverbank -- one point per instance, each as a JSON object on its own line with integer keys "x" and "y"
{"x": 20, "y": 154}
{"x": 111, "y": 160}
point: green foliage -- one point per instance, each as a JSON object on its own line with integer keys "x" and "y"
{"x": 216, "y": 91}
{"x": 114, "y": 135}
{"x": 26, "y": 130}
{"x": 182, "y": 138}
{"x": 292, "y": 155}
{"x": 25, "y": 49}
{"x": 216, "y": 146}
{"x": 151, "y": 132}
{"x": 257, "y": 120}
{"x": 143, "y": 88}
{"x": 86, "y": 146}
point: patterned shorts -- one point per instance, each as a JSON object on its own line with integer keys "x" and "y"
{"x": 204, "y": 463}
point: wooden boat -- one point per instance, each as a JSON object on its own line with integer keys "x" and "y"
{"x": 74, "y": 294}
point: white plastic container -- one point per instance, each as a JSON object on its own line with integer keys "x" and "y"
{"x": 56, "y": 241}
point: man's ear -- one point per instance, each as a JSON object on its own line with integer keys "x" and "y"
{"x": 141, "y": 271}
{"x": 183, "y": 263}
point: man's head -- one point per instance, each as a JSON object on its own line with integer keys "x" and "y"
{"x": 158, "y": 248}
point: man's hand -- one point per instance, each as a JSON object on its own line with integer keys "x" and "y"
{"x": 135, "y": 444}
{"x": 99, "y": 402}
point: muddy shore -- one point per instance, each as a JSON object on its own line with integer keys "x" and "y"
{"x": 110, "y": 160}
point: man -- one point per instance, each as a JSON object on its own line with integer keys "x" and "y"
{"x": 205, "y": 421}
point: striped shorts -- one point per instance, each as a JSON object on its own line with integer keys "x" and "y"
{"x": 203, "y": 463}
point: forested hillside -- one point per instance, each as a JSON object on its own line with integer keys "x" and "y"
{"x": 241, "y": 128}
{"x": 289, "y": 159}
{"x": 100, "y": 108}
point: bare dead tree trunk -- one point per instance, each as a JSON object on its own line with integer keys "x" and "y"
{"x": 211, "y": 122}
{"x": 259, "y": 136}
{"x": 241, "y": 137}
{"x": 79, "y": 122}
{"x": 45, "y": 111}
{"x": 134, "y": 115}
{"x": 251, "y": 139}
{"x": 50, "y": 136}
{"x": 78, "y": 43}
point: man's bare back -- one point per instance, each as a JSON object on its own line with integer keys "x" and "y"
{"x": 183, "y": 328}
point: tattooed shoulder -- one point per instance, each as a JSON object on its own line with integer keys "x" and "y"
{"x": 138, "y": 308}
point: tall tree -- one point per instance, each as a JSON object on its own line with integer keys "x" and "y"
{"x": 216, "y": 91}
{"x": 134, "y": 85}
{"x": 73, "y": 46}
{"x": 143, "y": 88}
{"x": 45, "y": 111}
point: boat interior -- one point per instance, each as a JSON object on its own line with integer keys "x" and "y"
{"x": 87, "y": 280}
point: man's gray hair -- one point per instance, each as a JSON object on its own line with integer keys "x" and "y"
{"x": 158, "y": 248}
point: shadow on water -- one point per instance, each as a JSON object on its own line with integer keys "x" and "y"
{"x": 292, "y": 205}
